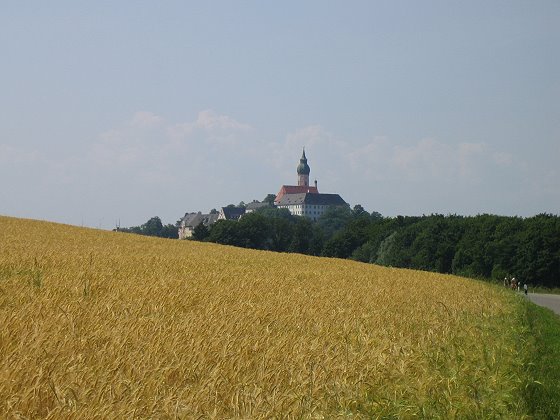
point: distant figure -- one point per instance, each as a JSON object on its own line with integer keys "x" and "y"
{"x": 513, "y": 283}
{"x": 525, "y": 288}
{"x": 506, "y": 281}
{"x": 519, "y": 286}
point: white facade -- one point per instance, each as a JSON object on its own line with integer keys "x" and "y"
{"x": 311, "y": 211}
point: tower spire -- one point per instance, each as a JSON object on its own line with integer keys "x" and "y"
{"x": 303, "y": 171}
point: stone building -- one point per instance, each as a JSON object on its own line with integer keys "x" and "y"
{"x": 231, "y": 213}
{"x": 310, "y": 205}
{"x": 192, "y": 220}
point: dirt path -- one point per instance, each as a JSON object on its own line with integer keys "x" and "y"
{"x": 548, "y": 301}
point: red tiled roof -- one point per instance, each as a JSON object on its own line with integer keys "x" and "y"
{"x": 295, "y": 189}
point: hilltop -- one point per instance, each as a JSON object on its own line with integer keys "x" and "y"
{"x": 99, "y": 323}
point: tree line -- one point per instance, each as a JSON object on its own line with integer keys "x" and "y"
{"x": 153, "y": 227}
{"x": 484, "y": 246}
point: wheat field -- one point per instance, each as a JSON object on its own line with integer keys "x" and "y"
{"x": 100, "y": 324}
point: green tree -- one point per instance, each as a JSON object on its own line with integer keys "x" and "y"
{"x": 225, "y": 232}
{"x": 376, "y": 215}
{"x": 269, "y": 199}
{"x": 274, "y": 212}
{"x": 200, "y": 232}
{"x": 302, "y": 236}
{"x": 358, "y": 210}
{"x": 255, "y": 231}
{"x": 539, "y": 251}
{"x": 505, "y": 247}
{"x": 152, "y": 227}
{"x": 334, "y": 219}
{"x": 281, "y": 234}
{"x": 435, "y": 243}
{"x": 475, "y": 254}
{"x": 342, "y": 244}
{"x": 366, "y": 253}
{"x": 169, "y": 231}
{"x": 385, "y": 251}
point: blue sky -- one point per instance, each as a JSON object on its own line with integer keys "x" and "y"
{"x": 126, "y": 110}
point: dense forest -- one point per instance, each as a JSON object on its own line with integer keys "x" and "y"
{"x": 483, "y": 246}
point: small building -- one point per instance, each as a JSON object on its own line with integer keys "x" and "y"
{"x": 191, "y": 220}
{"x": 231, "y": 213}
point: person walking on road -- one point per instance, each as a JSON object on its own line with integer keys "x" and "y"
{"x": 525, "y": 288}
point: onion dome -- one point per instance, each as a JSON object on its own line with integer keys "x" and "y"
{"x": 303, "y": 167}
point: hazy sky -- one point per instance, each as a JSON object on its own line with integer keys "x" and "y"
{"x": 130, "y": 109}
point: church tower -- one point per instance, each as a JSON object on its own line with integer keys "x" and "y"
{"x": 303, "y": 171}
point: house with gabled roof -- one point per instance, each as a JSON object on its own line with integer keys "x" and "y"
{"x": 231, "y": 213}
{"x": 191, "y": 220}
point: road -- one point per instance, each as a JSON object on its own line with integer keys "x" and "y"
{"x": 548, "y": 301}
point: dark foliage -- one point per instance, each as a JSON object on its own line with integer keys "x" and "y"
{"x": 200, "y": 232}
{"x": 154, "y": 227}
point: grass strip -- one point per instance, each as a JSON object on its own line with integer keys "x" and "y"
{"x": 547, "y": 290}
{"x": 542, "y": 391}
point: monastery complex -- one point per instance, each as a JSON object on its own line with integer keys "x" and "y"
{"x": 301, "y": 200}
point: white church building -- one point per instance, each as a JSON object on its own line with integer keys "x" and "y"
{"x": 305, "y": 200}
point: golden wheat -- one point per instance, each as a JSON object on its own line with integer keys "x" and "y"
{"x": 111, "y": 325}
